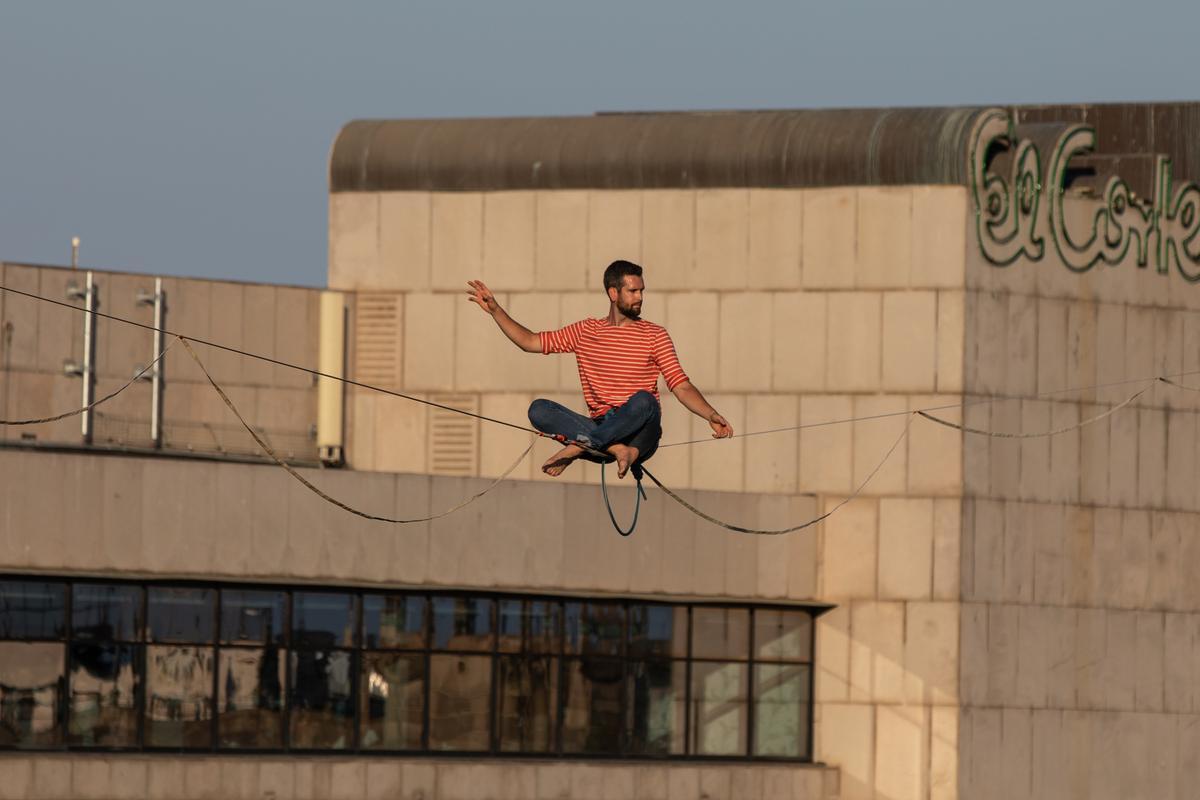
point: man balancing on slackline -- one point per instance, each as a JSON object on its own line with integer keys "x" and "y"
{"x": 620, "y": 358}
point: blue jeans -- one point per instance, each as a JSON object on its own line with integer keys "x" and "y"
{"x": 637, "y": 423}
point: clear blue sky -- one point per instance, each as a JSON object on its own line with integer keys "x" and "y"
{"x": 192, "y": 139}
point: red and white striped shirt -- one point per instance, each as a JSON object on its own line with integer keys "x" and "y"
{"x": 615, "y": 361}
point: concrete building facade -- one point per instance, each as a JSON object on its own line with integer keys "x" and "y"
{"x": 994, "y": 617}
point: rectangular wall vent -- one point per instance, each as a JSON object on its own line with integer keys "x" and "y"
{"x": 377, "y": 334}
{"x": 454, "y": 438}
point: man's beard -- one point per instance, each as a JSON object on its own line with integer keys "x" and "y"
{"x": 633, "y": 312}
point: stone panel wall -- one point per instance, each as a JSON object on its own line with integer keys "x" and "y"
{"x": 277, "y": 321}
{"x": 1079, "y": 612}
{"x": 788, "y": 308}
{"x": 115, "y": 777}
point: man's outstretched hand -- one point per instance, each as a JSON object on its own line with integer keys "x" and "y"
{"x": 721, "y": 427}
{"x": 482, "y": 296}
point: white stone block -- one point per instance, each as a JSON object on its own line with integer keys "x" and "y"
{"x": 509, "y": 223}
{"x": 931, "y": 653}
{"x": 829, "y": 238}
{"x": 561, "y": 239}
{"x": 1133, "y": 590}
{"x": 947, "y": 549}
{"x": 986, "y": 353}
{"x": 939, "y": 236}
{"x": 722, "y": 238}
{"x": 943, "y": 753}
{"x": 745, "y": 342}
{"x": 877, "y": 652}
{"x": 1016, "y": 757}
{"x": 951, "y": 339}
{"x": 1033, "y": 668}
{"x": 669, "y": 238}
{"x": 826, "y": 444}
{"x": 1152, "y": 457}
{"x": 1063, "y": 485}
{"x": 875, "y": 438}
{"x": 405, "y": 225}
{"x": 776, "y": 222}
{"x": 1004, "y": 651}
{"x": 840, "y": 738}
{"x": 1004, "y": 455}
{"x": 1036, "y": 477}
{"x": 798, "y": 336}
{"x": 905, "y": 548}
{"x": 935, "y": 452}
{"x": 849, "y": 547}
{"x": 353, "y": 236}
{"x": 692, "y": 320}
{"x": 1120, "y": 662}
{"x": 910, "y": 357}
{"x": 719, "y": 465}
{"x": 457, "y": 241}
{"x": 1181, "y": 460}
{"x": 614, "y": 231}
{"x": 429, "y": 320}
{"x": 901, "y": 733}
{"x": 1149, "y": 690}
{"x": 853, "y": 362}
{"x": 832, "y": 678}
{"x": 772, "y": 459}
{"x": 884, "y": 237}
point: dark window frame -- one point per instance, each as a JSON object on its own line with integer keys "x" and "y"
{"x": 358, "y": 651}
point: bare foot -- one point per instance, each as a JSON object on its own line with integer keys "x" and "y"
{"x": 555, "y": 465}
{"x": 625, "y": 456}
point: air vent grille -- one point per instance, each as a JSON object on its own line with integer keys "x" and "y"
{"x": 454, "y": 438}
{"x": 377, "y": 339}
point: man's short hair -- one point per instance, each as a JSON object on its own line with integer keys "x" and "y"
{"x": 615, "y": 275}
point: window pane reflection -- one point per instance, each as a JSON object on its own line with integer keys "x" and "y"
{"x": 252, "y": 617}
{"x": 179, "y": 684}
{"x": 322, "y": 707}
{"x": 460, "y": 695}
{"x": 103, "y": 705}
{"x": 530, "y": 626}
{"x": 394, "y": 621}
{"x": 526, "y": 703}
{"x": 31, "y": 694}
{"x": 782, "y": 635}
{"x": 393, "y": 700}
{"x": 781, "y": 710}
{"x": 720, "y": 632}
{"x": 657, "y": 706}
{"x": 250, "y": 698}
{"x": 592, "y": 706}
{"x": 107, "y": 612}
{"x": 719, "y": 709}
{"x": 657, "y": 631}
{"x": 595, "y": 628}
{"x": 462, "y": 623}
{"x": 323, "y": 619}
{"x": 32, "y": 610}
{"x": 181, "y": 615}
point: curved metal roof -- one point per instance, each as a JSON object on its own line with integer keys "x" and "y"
{"x": 656, "y": 150}
{"x": 855, "y": 147}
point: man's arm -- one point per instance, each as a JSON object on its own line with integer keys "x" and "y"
{"x": 694, "y": 402}
{"x": 521, "y": 336}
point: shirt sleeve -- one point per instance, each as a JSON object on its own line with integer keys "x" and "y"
{"x": 563, "y": 340}
{"x": 667, "y": 360}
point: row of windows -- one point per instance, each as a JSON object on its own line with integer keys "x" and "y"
{"x": 202, "y": 667}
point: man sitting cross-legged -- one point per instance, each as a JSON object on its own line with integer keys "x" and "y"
{"x": 620, "y": 358}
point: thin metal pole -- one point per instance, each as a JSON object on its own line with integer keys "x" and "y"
{"x": 160, "y": 311}
{"x": 89, "y": 358}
